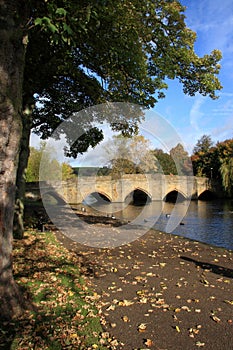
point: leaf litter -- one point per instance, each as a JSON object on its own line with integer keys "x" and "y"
{"x": 149, "y": 274}
{"x": 64, "y": 313}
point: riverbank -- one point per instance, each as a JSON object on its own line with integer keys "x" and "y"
{"x": 162, "y": 292}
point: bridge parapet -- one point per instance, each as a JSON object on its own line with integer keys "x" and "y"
{"x": 156, "y": 186}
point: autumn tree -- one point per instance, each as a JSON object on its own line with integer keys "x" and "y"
{"x": 206, "y": 163}
{"x": 204, "y": 157}
{"x": 225, "y": 156}
{"x": 129, "y": 155}
{"x": 67, "y": 171}
{"x": 165, "y": 163}
{"x": 203, "y": 144}
{"x": 226, "y": 171}
{"x": 67, "y": 53}
{"x": 54, "y": 167}
{"x": 33, "y": 168}
{"x": 182, "y": 160}
{"x": 215, "y": 162}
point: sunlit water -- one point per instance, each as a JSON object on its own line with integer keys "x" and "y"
{"x": 205, "y": 221}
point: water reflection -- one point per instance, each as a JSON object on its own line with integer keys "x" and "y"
{"x": 206, "y": 221}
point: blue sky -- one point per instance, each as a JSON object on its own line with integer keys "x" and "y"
{"x": 192, "y": 117}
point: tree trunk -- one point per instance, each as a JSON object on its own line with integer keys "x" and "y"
{"x": 20, "y": 180}
{"x": 12, "y": 58}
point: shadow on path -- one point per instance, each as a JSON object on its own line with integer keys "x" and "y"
{"x": 220, "y": 270}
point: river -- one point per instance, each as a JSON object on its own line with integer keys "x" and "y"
{"x": 210, "y": 222}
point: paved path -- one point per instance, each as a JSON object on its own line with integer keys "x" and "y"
{"x": 161, "y": 291}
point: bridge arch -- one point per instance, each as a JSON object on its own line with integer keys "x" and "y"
{"x": 138, "y": 196}
{"x": 99, "y": 197}
{"x": 206, "y": 195}
{"x": 172, "y": 196}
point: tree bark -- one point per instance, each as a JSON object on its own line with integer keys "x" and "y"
{"x": 12, "y": 58}
{"x": 18, "y": 229}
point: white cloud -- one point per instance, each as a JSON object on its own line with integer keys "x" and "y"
{"x": 225, "y": 131}
{"x": 224, "y": 109}
{"x": 95, "y": 157}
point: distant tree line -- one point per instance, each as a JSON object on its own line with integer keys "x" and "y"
{"x": 133, "y": 155}
{"x": 214, "y": 161}
{"x": 54, "y": 167}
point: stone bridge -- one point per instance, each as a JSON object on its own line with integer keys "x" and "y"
{"x": 129, "y": 188}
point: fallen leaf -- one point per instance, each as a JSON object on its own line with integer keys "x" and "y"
{"x": 162, "y": 264}
{"x": 150, "y": 274}
{"x": 200, "y": 344}
{"x": 177, "y": 309}
{"x": 185, "y": 308}
{"x": 105, "y": 335}
{"x": 142, "y": 327}
{"x": 125, "y": 318}
{"x": 143, "y": 300}
{"x": 113, "y": 269}
{"x": 125, "y": 302}
{"x": 215, "y": 319}
{"x": 148, "y": 342}
{"x": 111, "y": 307}
{"x": 114, "y": 342}
{"x": 205, "y": 282}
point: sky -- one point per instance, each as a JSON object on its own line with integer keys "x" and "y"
{"x": 191, "y": 117}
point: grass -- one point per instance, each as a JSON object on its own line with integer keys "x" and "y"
{"x": 65, "y": 313}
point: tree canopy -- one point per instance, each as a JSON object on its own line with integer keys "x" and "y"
{"x": 203, "y": 144}
{"x": 83, "y": 53}
{"x": 182, "y": 160}
{"x": 54, "y": 167}
{"x": 165, "y": 163}
{"x": 130, "y": 156}
{"x": 215, "y": 162}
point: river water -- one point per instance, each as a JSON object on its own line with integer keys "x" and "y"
{"x": 210, "y": 222}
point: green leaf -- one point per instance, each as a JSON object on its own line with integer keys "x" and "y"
{"x": 46, "y": 23}
{"x": 67, "y": 28}
{"x": 52, "y": 27}
{"x": 38, "y": 21}
{"x": 61, "y": 11}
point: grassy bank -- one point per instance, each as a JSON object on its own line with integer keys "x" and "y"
{"x": 64, "y": 313}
